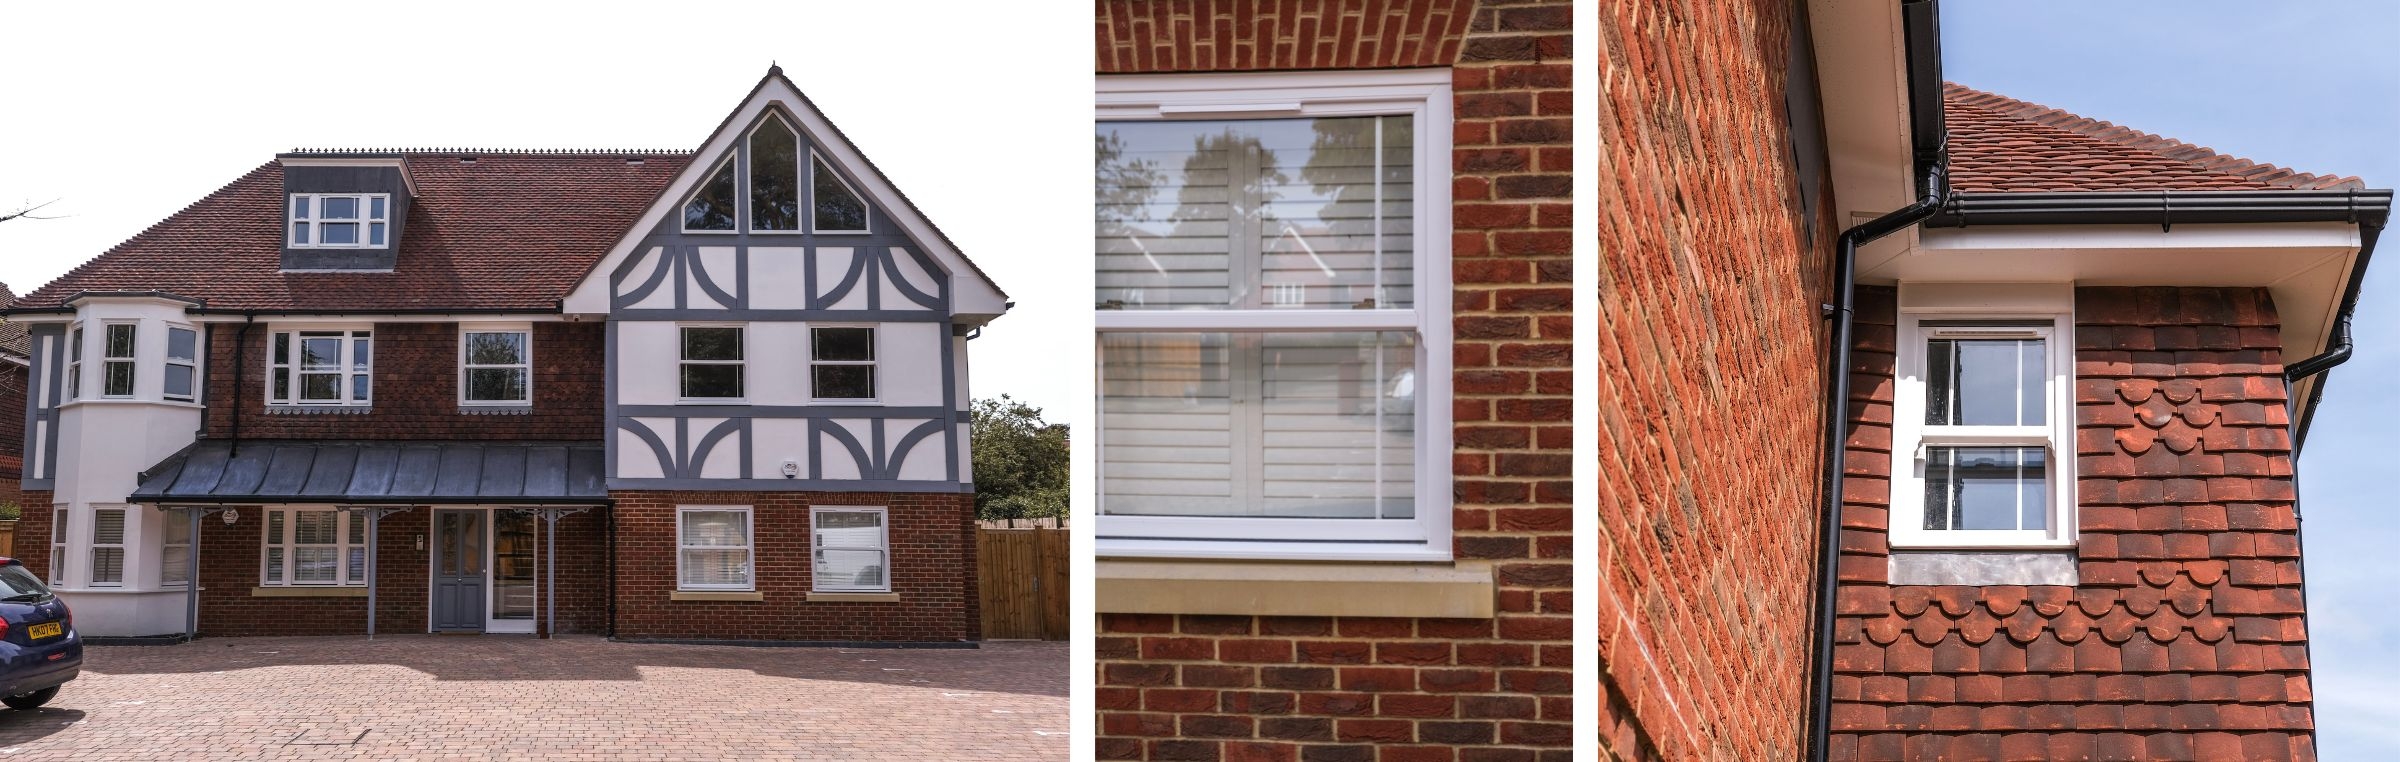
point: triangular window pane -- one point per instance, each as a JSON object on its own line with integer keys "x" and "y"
{"x": 774, "y": 177}
{"x": 838, "y": 210}
{"x": 712, "y": 207}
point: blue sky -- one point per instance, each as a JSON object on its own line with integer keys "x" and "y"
{"x": 2313, "y": 87}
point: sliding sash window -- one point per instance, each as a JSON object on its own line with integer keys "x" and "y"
{"x": 1984, "y": 431}
{"x": 1273, "y": 301}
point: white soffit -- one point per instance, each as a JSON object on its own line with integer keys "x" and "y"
{"x": 1862, "y": 75}
{"x": 2304, "y": 266}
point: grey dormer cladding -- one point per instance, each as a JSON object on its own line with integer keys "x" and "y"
{"x": 314, "y": 178}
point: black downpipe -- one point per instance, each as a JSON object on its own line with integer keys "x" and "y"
{"x": 1932, "y": 164}
{"x": 2337, "y": 344}
{"x": 233, "y": 407}
{"x": 609, "y": 519}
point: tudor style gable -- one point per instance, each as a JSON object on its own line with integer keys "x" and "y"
{"x": 782, "y": 318}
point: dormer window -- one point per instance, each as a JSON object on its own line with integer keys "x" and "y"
{"x": 348, "y": 220}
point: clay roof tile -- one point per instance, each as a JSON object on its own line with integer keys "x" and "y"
{"x": 2000, "y": 144}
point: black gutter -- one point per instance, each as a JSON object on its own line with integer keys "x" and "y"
{"x": 241, "y": 347}
{"x": 1929, "y": 136}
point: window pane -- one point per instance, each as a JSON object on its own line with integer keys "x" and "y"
{"x": 281, "y": 390}
{"x": 712, "y": 207}
{"x": 314, "y": 527}
{"x": 496, "y": 385}
{"x": 362, "y": 352}
{"x": 360, "y": 387}
{"x": 120, "y": 341}
{"x": 281, "y": 353}
{"x": 504, "y": 348}
{"x": 715, "y": 528}
{"x": 1332, "y": 436}
{"x": 831, "y": 523}
{"x": 375, "y": 208}
{"x": 716, "y": 568}
{"x": 844, "y": 343}
{"x": 358, "y": 565}
{"x": 320, "y": 387}
{"x": 1986, "y": 488}
{"x": 837, "y": 207}
{"x": 1985, "y": 382}
{"x": 1255, "y": 213}
{"x": 299, "y": 207}
{"x": 174, "y": 564}
{"x": 337, "y": 232}
{"x": 300, "y": 234}
{"x": 119, "y": 380}
{"x": 315, "y": 564}
{"x": 774, "y": 178}
{"x": 320, "y": 353}
{"x": 108, "y": 566}
{"x": 179, "y": 381}
{"x": 337, "y": 208}
{"x": 849, "y": 568}
{"x": 75, "y": 344}
{"x": 712, "y": 381}
{"x": 108, "y": 526}
{"x": 843, "y": 382}
{"x": 274, "y": 564}
{"x": 58, "y": 525}
{"x": 175, "y": 529}
{"x": 358, "y": 530}
{"x": 275, "y": 528}
{"x": 375, "y": 234}
{"x": 183, "y": 344}
{"x": 712, "y": 343}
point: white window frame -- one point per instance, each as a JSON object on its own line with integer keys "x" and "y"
{"x": 132, "y": 361}
{"x": 342, "y": 544}
{"x": 525, "y": 329}
{"x": 75, "y": 361}
{"x": 168, "y": 351}
{"x": 167, "y": 569}
{"x": 875, "y": 350}
{"x": 741, "y": 200}
{"x": 742, "y": 330}
{"x": 1911, "y": 436}
{"x": 810, "y": 193}
{"x": 747, "y": 177}
{"x": 883, "y": 528}
{"x": 302, "y": 207}
{"x": 124, "y": 527}
{"x": 59, "y": 516}
{"x": 749, "y": 530}
{"x": 347, "y": 363}
{"x": 1425, "y": 96}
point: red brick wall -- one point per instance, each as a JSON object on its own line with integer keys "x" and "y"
{"x": 1315, "y": 688}
{"x": 933, "y": 569}
{"x": 230, "y": 558}
{"x": 416, "y": 388}
{"x": 2184, "y": 639}
{"x": 1711, "y": 376}
{"x": 33, "y": 533}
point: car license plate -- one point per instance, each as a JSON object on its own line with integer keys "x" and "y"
{"x": 44, "y": 630}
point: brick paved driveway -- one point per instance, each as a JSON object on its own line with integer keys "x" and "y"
{"x": 574, "y": 698}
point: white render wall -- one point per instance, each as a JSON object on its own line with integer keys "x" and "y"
{"x": 908, "y": 365}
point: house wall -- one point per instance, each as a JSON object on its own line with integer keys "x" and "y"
{"x": 33, "y": 533}
{"x": 416, "y": 388}
{"x": 231, "y": 555}
{"x": 932, "y": 543}
{"x": 2184, "y": 637}
{"x": 1713, "y": 265}
{"x": 1342, "y": 688}
{"x": 12, "y": 433}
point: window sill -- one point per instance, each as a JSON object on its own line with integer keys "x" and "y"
{"x": 716, "y": 595}
{"x": 1461, "y": 590}
{"x": 308, "y": 592}
{"x": 815, "y": 597}
{"x": 1977, "y": 568}
{"x": 319, "y": 409}
{"x": 714, "y": 401}
{"x": 508, "y": 409}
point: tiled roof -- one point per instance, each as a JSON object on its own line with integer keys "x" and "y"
{"x": 13, "y": 337}
{"x": 2000, "y": 144}
{"x": 513, "y": 230}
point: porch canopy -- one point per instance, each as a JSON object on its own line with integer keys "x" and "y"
{"x": 255, "y": 471}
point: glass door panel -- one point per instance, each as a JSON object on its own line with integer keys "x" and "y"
{"x": 512, "y": 565}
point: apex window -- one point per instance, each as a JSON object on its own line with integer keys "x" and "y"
{"x": 1983, "y": 423}
{"x": 327, "y": 220}
{"x": 1273, "y": 307}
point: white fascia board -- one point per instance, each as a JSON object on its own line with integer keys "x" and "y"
{"x": 1862, "y": 81}
{"x": 971, "y": 293}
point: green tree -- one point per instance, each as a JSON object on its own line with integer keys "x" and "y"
{"x": 1020, "y": 461}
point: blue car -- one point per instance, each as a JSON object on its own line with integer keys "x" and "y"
{"x": 38, "y": 648}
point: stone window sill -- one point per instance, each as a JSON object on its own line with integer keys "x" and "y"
{"x": 1461, "y": 590}
{"x": 853, "y": 597}
{"x": 319, "y": 409}
{"x": 716, "y": 595}
{"x": 307, "y": 592}
{"x": 495, "y": 410}
{"x": 1979, "y": 568}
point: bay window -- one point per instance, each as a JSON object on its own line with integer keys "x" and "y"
{"x": 1273, "y": 306}
{"x": 117, "y": 359}
{"x": 183, "y": 364}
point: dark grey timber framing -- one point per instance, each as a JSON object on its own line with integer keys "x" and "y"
{"x": 46, "y": 375}
{"x": 893, "y": 433}
{"x": 313, "y": 179}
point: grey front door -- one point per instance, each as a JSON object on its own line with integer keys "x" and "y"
{"x": 458, "y": 595}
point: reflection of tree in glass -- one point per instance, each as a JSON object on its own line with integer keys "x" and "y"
{"x": 1125, "y": 186}
{"x": 1341, "y": 166}
{"x": 1246, "y": 198}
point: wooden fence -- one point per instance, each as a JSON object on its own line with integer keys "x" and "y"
{"x": 1023, "y": 576}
